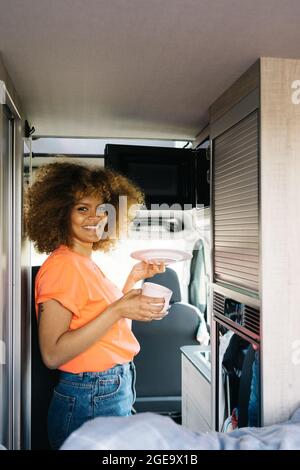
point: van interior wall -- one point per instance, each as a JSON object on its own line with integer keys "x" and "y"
{"x": 5, "y": 77}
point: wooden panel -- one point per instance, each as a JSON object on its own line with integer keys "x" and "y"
{"x": 240, "y": 88}
{"x": 280, "y": 236}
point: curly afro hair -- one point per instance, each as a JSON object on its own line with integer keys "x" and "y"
{"x": 56, "y": 188}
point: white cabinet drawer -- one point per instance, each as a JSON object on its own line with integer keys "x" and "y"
{"x": 196, "y": 398}
{"x": 192, "y": 417}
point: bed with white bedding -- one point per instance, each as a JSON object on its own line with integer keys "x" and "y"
{"x": 149, "y": 431}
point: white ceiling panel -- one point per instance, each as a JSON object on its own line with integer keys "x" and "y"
{"x": 136, "y": 68}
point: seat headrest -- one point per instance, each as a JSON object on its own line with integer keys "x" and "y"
{"x": 170, "y": 280}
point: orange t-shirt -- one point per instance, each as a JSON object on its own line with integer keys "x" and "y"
{"x": 80, "y": 286}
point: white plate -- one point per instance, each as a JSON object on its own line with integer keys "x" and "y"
{"x": 166, "y": 256}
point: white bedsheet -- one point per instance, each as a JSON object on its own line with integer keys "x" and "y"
{"x": 149, "y": 431}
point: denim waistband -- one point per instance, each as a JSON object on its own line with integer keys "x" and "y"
{"x": 118, "y": 369}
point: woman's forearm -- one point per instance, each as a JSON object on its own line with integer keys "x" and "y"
{"x": 74, "y": 342}
{"x": 129, "y": 284}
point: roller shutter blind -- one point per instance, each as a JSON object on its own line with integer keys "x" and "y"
{"x": 235, "y": 195}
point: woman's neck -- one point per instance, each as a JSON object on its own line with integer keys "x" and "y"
{"x": 84, "y": 249}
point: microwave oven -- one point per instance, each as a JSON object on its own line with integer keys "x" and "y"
{"x": 167, "y": 176}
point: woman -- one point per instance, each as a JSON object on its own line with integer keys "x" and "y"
{"x": 84, "y": 320}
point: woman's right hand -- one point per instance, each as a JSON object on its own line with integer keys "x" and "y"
{"x": 136, "y": 306}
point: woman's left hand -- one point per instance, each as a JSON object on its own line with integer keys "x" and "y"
{"x": 145, "y": 270}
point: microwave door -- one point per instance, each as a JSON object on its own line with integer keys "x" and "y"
{"x": 166, "y": 175}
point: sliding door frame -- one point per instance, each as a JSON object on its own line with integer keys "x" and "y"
{"x": 12, "y": 152}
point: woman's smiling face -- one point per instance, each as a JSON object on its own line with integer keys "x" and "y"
{"x": 86, "y": 224}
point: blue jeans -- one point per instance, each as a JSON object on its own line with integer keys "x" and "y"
{"x": 254, "y": 400}
{"x": 80, "y": 397}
